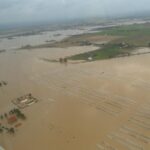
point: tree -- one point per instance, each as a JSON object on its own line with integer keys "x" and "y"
{"x": 22, "y": 116}
{"x": 1, "y": 117}
{"x": 60, "y": 60}
{"x": 19, "y": 114}
{"x": 1, "y": 130}
{"x": 65, "y": 60}
{"x": 5, "y": 115}
{"x": 12, "y": 130}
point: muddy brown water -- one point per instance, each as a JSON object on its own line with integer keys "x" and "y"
{"x": 81, "y": 105}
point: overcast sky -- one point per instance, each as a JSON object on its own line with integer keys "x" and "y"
{"x": 15, "y": 11}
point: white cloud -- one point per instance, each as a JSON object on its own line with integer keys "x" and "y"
{"x": 27, "y": 10}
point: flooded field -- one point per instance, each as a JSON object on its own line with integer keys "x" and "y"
{"x": 11, "y": 42}
{"x": 101, "y": 105}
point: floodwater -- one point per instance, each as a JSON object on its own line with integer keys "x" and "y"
{"x": 102, "y": 105}
{"x": 40, "y": 38}
{"x": 11, "y": 42}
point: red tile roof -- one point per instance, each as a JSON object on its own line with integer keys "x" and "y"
{"x": 12, "y": 119}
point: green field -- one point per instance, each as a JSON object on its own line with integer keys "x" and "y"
{"x": 108, "y": 51}
{"x": 137, "y": 34}
{"x": 131, "y": 37}
{"x": 128, "y": 30}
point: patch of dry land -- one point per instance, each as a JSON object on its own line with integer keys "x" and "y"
{"x": 99, "y": 105}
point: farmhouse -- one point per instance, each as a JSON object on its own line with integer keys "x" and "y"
{"x": 25, "y": 101}
{"x": 12, "y": 119}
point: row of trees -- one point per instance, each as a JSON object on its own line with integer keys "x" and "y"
{"x": 16, "y": 112}
{"x": 63, "y": 60}
{"x": 9, "y": 130}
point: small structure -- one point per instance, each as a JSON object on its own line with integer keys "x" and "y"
{"x": 124, "y": 45}
{"x": 90, "y": 58}
{"x": 12, "y": 119}
{"x": 25, "y": 101}
{"x": 18, "y": 125}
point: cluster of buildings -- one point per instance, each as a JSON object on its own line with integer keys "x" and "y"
{"x": 25, "y": 101}
{"x": 11, "y": 120}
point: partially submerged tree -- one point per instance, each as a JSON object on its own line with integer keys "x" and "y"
{"x": 11, "y": 130}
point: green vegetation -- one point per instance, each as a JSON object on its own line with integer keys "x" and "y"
{"x": 19, "y": 114}
{"x": 137, "y": 34}
{"x": 10, "y": 118}
{"x": 128, "y": 30}
{"x": 131, "y": 37}
{"x": 108, "y": 51}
